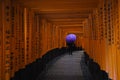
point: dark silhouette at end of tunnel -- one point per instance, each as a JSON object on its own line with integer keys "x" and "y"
{"x": 70, "y": 39}
{"x": 70, "y": 47}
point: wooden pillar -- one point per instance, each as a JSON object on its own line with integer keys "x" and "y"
{"x": 118, "y": 41}
{"x": 1, "y": 40}
{"x": 6, "y": 7}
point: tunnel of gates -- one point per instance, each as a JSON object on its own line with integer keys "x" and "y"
{"x": 26, "y": 36}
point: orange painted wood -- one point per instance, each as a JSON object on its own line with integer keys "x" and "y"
{"x": 1, "y": 40}
{"x": 6, "y": 39}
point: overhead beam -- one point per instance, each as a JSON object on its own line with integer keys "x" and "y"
{"x": 58, "y": 4}
{"x": 67, "y": 20}
{"x": 64, "y": 11}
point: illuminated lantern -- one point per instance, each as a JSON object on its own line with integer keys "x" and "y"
{"x": 70, "y": 38}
